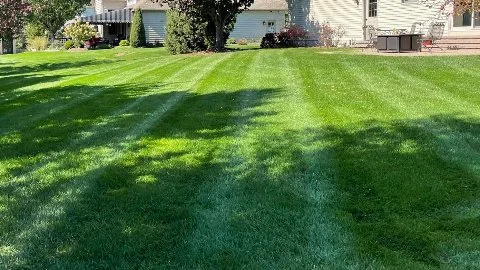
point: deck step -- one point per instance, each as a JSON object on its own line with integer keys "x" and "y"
{"x": 462, "y": 43}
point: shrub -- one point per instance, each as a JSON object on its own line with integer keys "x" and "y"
{"x": 92, "y": 43}
{"x": 37, "y": 44}
{"x": 33, "y": 30}
{"x": 243, "y": 41}
{"x": 269, "y": 41}
{"x": 184, "y": 36}
{"x": 137, "y": 33}
{"x": 68, "y": 45}
{"x": 290, "y": 36}
{"x": 330, "y": 36}
{"x": 79, "y": 32}
{"x": 103, "y": 46}
{"x": 124, "y": 43}
{"x": 231, "y": 41}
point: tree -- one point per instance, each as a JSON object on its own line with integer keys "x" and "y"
{"x": 12, "y": 18}
{"x": 137, "y": 33}
{"x": 220, "y": 13}
{"x": 448, "y": 7}
{"x": 183, "y": 36}
{"x": 52, "y": 14}
{"x": 79, "y": 32}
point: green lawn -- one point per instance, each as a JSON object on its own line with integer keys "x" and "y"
{"x": 256, "y": 159}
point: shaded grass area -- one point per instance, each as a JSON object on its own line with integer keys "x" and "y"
{"x": 247, "y": 159}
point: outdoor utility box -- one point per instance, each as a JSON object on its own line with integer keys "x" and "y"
{"x": 6, "y": 47}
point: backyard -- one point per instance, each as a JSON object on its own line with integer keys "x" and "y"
{"x": 257, "y": 159}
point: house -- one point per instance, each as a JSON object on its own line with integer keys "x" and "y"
{"x": 113, "y": 19}
{"x": 355, "y": 15}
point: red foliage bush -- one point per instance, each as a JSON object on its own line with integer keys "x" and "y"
{"x": 288, "y": 37}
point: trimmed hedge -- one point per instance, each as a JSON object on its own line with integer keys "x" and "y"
{"x": 183, "y": 35}
{"x": 137, "y": 33}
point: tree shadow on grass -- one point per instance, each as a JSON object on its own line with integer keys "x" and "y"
{"x": 403, "y": 183}
{"x": 9, "y": 70}
{"x": 134, "y": 113}
{"x": 13, "y": 78}
{"x": 395, "y": 186}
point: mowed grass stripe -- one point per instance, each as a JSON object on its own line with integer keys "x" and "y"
{"x": 216, "y": 199}
{"x": 438, "y": 97}
{"x": 454, "y": 81}
{"x": 105, "y": 124}
{"x": 338, "y": 94}
{"x": 102, "y": 133}
{"x": 270, "y": 159}
{"x": 329, "y": 241}
{"x": 81, "y": 180}
{"x": 105, "y": 77}
{"x": 74, "y": 95}
{"x": 86, "y": 74}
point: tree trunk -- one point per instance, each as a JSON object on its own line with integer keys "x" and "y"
{"x": 219, "y": 36}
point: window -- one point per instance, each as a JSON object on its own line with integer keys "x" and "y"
{"x": 271, "y": 27}
{"x": 372, "y": 8}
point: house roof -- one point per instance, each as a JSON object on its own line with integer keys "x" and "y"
{"x": 269, "y": 5}
{"x": 148, "y": 5}
{"x": 257, "y": 5}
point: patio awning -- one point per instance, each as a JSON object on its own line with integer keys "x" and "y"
{"x": 116, "y": 16}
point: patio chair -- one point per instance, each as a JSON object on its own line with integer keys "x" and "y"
{"x": 371, "y": 34}
{"x": 414, "y": 29}
{"x": 434, "y": 34}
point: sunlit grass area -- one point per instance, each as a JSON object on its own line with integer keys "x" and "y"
{"x": 256, "y": 159}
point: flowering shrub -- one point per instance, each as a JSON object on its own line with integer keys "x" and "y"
{"x": 79, "y": 32}
{"x": 288, "y": 37}
{"x": 330, "y": 36}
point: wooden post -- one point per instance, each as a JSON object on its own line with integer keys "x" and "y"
{"x": 14, "y": 49}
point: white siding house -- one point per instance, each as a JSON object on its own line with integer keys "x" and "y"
{"x": 273, "y": 15}
{"x": 354, "y": 15}
{"x": 402, "y": 14}
{"x": 338, "y": 13}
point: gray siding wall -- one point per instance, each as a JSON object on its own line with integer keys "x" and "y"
{"x": 250, "y": 23}
{"x": 154, "y": 22}
{"x": 398, "y": 15}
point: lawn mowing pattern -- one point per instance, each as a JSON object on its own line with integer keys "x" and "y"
{"x": 134, "y": 159}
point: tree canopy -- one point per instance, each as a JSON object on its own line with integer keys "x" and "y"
{"x": 52, "y": 14}
{"x": 12, "y": 17}
{"x": 454, "y": 6}
{"x": 220, "y": 13}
